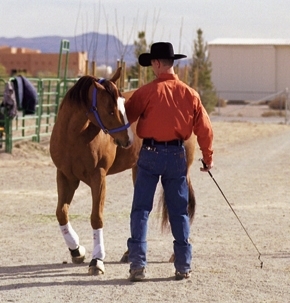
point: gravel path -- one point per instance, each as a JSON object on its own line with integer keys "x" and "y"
{"x": 252, "y": 167}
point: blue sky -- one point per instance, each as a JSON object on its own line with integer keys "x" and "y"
{"x": 163, "y": 20}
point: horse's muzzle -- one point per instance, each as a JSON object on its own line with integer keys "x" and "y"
{"x": 121, "y": 144}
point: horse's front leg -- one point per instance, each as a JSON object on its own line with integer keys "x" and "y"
{"x": 98, "y": 188}
{"x": 66, "y": 189}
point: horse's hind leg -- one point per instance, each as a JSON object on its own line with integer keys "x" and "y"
{"x": 66, "y": 189}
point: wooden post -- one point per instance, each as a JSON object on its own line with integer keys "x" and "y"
{"x": 145, "y": 75}
{"x": 93, "y": 68}
{"x": 176, "y": 69}
{"x": 287, "y": 107}
{"x": 139, "y": 76}
{"x": 186, "y": 74}
{"x": 123, "y": 76}
{"x": 196, "y": 74}
{"x": 118, "y": 83}
{"x": 87, "y": 67}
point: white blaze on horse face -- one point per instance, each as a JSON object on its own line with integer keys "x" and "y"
{"x": 99, "y": 247}
{"x": 121, "y": 108}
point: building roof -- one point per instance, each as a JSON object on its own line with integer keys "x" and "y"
{"x": 17, "y": 50}
{"x": 239, "y": 41}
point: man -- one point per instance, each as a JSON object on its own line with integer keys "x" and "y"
{"x": 168, "y": 111}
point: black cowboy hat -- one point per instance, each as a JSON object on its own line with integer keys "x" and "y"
{"x": 159, "y": 50}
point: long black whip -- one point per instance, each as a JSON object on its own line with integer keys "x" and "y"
{"x": 259, "y": 257}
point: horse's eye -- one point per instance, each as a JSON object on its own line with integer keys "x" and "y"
{"x": 112, "y": 113}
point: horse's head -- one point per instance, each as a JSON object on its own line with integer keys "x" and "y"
{"x": 108, "y": 111}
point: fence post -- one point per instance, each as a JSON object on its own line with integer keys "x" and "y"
{"x": 94, "y": 71}
{"x": 287, "y": 105}
{"x": 8, "y": 134}
{"x": 39, "y": 110}
{"x": 64, "y": 47}
{"x": 118, "y": 82}
{"x": 123, "y": 76}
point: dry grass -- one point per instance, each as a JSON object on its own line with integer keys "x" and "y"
{"x": 278, "y": 103}
{"x": 273, "y": 113}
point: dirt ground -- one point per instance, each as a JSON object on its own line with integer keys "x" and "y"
{"x": 252, "y": 167}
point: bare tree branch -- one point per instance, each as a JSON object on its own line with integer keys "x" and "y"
{"x": 83, "y": 36}
{"x": 155, "y": 23}
{"x": 107, "y": 39}
{"x": 180, "y": 35}
{"x": 86, "y": 35}
{"x": 121, "y": 48}
{"x": 77, "y": 20}
{"x": 96, "y": 31}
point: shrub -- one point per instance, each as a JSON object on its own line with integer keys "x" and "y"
{"x": 221, "y": 103}
{"x": 278, "y": 103}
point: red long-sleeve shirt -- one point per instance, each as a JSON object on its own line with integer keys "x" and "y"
{"x": 168, "y": 109}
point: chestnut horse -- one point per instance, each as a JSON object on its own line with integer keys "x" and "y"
{"x": 90, "y": 140}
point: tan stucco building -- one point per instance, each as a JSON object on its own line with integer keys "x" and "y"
{"x": 35, "y": 63}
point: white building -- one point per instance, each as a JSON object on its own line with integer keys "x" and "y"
{"x": 249, "y": 69}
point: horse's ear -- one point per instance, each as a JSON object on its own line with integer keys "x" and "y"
{"x": 117, "y": 75}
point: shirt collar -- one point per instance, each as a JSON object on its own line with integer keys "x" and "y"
{"x": 165, "y": 76}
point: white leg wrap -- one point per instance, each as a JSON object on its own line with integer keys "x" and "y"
{"x": 70, "y": 236}
{"x": 99, "y": 248}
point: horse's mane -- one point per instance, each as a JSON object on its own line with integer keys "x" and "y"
{"x": 79, "y": 92}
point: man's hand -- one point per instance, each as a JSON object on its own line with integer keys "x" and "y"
{"x": 206, "y": 167}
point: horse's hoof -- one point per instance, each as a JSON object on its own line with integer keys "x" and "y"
{"x": 125, "y": 258}
{"x": 78, "y": 255}
{"x": 96, "y": 267}
{"x": 172, "y": 259}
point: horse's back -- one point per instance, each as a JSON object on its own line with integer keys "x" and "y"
{"x": 190, "y": 148}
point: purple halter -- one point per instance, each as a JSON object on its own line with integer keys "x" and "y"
{"x": 96, "y": 114}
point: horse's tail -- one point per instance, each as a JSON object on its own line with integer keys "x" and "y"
{"x": 191, "y": 207}
{"x": 191, "y": 201}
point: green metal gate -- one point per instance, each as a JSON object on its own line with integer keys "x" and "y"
{"x": 33, "y": 127}
{"x": 50, "y": 92}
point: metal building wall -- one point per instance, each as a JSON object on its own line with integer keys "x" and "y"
{"x": 249, "y": 72}
{"x": 282, "y": 67}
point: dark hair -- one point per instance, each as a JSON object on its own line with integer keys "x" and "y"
{"x": 167, "y": 62}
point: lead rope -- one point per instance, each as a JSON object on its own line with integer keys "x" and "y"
{"x": 259, "y": 257}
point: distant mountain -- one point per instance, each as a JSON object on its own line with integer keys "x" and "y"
{"x": 103, "y": 48}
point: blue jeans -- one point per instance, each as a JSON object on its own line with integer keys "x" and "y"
{"x": 169, "y": 162}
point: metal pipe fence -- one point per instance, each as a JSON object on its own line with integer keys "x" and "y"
{"x": 272, "y": 108}
{"x": 50, "y": 92}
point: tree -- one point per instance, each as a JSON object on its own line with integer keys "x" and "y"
{"x": 3, "y": 72}
{"x": 140, "y": 47}
{"x": 143, "y": 74}
{"x": 200, "y": 73}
